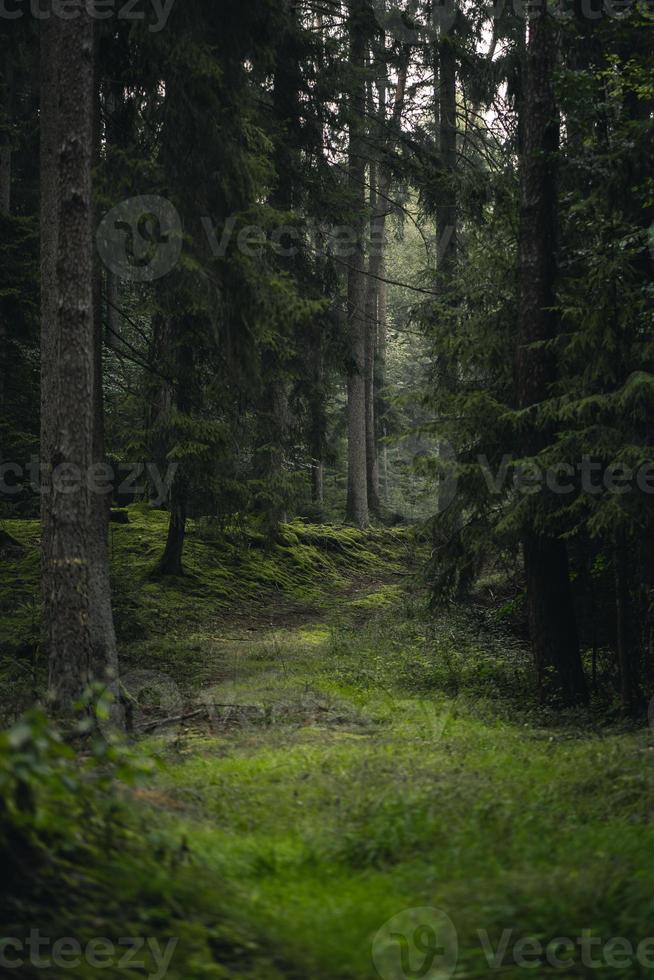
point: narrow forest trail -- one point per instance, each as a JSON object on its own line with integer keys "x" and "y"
{"x": 332, "y": 799}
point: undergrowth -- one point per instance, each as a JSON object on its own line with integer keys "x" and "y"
{"x": 340, "y": 757}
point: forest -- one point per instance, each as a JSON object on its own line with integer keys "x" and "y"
{"x": 326, "y": 489}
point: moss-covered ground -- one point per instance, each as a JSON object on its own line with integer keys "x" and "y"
{"x": 341, "y": 758}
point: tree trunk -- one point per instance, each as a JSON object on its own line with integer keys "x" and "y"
{"x": 380, "y": 386}
{"x": 630, "y": 691}
{"x": 380, "y": 185}
{"x": 372, "y": 303}
{"x": 551, "y": 611}
{"x": 318, "y": 420}
{"x": 6, "y": 148}
{"x": 174, "y": 333}
{"x": 357, "y": 483}
{"x": 446, "y": 210}
{"x": 5, "y": 205}
{"x": 101, "y": 621}
{"x": 171, "y": 560}
{"x": 67, "y": 436}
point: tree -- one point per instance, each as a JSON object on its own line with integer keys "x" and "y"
{"x": 380, "y": 201}
{"x": 552, "y": 619}
{"x": 78, "y": 630}
{"x": 357, "y": 484}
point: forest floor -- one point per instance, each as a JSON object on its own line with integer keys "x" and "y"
{"x": 357, "y": 789}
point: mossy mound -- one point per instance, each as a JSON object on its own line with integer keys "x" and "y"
{"x": 230, "y": 571}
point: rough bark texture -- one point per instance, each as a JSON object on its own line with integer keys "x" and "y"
{"x": 67, "y": 350}
{"x": 551, "y": 612}
{"x": 357, "y": 482}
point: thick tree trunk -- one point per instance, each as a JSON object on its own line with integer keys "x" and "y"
{"x": 357, "y": 483}
{"x": 551, "y": 611}
{"x": 67, "y": 353}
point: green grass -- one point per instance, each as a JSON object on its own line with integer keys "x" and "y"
{"x": 355, "y": 760}
{"x": 378, "y": 775}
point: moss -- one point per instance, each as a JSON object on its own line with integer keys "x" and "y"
{"x": 227, "y": 571}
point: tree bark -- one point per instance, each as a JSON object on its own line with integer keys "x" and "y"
{"x": 101, "y": 619}
{"x": 551, "y": 611}
{"x": 174, "y": 334}
{"x": 6, "y": 148}
{"x": 171, "y": 560}
{"x": 68, "y": 360}
{"x": 357, "y": 483}
{"x": 317, "y": 420}
{"x": 5, "y": 204}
